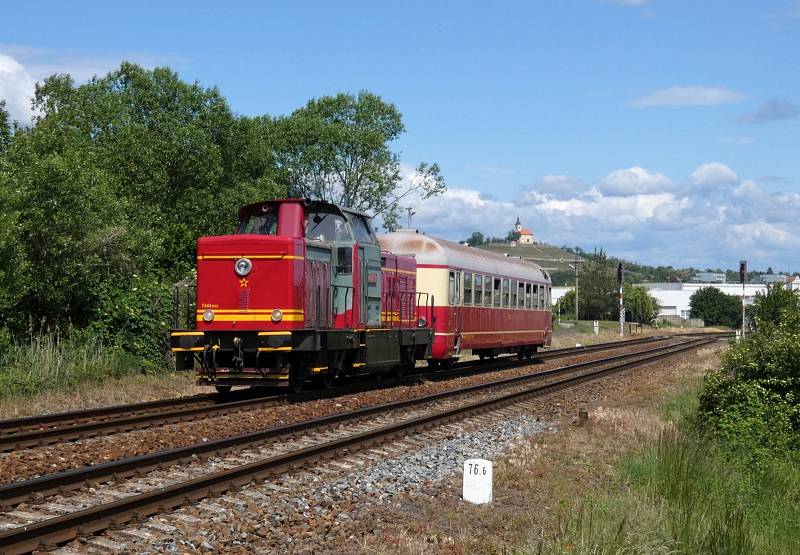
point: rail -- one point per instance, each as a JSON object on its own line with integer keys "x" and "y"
{"x": 64, "y": 528}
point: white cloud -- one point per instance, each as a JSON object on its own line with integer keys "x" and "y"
{"x": 713, "y": 174}
{"x": 16, "y": 88}
{"x": 697, "y": 95}
{"x": 633, "y": 181}
{"x": 701, "y": 225}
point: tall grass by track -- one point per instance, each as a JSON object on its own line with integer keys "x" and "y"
{"x": 685, "y": 494}
{"x": 48, "y": 362}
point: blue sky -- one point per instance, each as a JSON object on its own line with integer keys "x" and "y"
{"x": 662, "y": 130}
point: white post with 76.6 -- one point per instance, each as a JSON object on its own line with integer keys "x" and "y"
{"x": 477, "y": 481}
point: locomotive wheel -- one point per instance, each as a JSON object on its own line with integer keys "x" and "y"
{"x": 297, "y": 379}
{"x": 223, "y": 389}
{"x": 327, "y": 380}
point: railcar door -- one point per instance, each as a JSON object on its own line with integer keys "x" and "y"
{"x": 454, "y": 312}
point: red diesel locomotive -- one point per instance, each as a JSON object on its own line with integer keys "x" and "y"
{"x": 304, "y": 288}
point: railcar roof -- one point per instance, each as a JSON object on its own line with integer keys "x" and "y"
{"x": 440, "y": 252}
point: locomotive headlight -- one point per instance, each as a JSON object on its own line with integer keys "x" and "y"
{"x": 421, "y": 322}
{"x": 208, "y": 315}
{"x": 243, "y": 266}
{"x": 277, "y": 315}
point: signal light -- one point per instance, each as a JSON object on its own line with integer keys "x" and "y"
{"x": 620, "y": 272}
{"x": 742, "y": 271}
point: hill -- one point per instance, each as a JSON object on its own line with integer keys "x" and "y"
{"x": 547, "y": 256}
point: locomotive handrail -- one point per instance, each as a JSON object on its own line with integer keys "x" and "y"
{"x": 189, "y": 302}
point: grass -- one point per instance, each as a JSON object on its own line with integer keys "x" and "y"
{"x": 48, "y": 362}
{"x": 684, "y": 494}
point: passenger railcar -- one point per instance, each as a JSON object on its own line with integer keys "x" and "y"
{"x": 485, "y": 302}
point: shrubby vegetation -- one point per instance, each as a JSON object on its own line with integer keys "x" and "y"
{"x": 105, "y": 195}
{"x": 753, "y": 403}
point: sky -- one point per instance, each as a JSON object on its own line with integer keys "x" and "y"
{"x": 663, "y": 131}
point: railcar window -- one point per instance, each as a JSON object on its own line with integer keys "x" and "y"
{"x": 528, "y": 296}
{"x": 265, "y": 223}
{"x": 478, "y": 290}
{"x": 521, "y": 295}
{"x": 451, "y": 288}
{"x": 549, "y": 297}
{"x": 487, "y": 290}
{"x": 513, "y": 294}
{"x": 535, "y": 301}
{"x": 505, "y": 293}
{"x": 496, "y": 292}
{"x": 467, "y": 289}
{"x": 541, "y": 296}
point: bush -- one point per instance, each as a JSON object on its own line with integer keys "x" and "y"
{"x": 716, "y": 308}
{"x": 753, "y": 404}
{"x": 48, "y": 362}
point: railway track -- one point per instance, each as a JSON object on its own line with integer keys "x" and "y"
{"x": 324, "y": 437}
{"x": 60, "y": 427}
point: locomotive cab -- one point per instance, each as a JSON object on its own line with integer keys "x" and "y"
{"x": 295, "y": 291}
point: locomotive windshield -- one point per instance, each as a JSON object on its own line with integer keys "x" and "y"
{"x": 265, "y": 223}
{"x": 326, "y": 226}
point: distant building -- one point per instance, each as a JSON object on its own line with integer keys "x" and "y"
{"x": 525, "y": 235}
{"x": 777, "y": 278}
{"x": 708, "y": 277}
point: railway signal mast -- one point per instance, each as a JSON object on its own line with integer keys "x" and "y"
{"x": 621, "y": 279}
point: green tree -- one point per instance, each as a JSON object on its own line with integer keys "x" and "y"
{"x": 566, "y": 305}
{"x": 476, "y": 239}
{"x": 776, "y": 305}
{"x": 336, "y": 148}
{"x": 512, "y": 236}
{"x": 598, "y": 293}
{"x": 716, "y": 308}
{"x": 5, "y": 128}
{"x": 640, "y": 305}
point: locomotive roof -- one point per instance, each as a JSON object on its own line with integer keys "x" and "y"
{"x": 306, "y": 202}
{"x": 440, "y": 252}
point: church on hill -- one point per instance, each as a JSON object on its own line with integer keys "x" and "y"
{"x": 525, "y": 235}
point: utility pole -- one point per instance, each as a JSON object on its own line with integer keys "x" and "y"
{"x": 621, "y": 279}
{"x": 411, "y": 212}
{"x": 743, "y": 279}
{"x": 575, "y": 264}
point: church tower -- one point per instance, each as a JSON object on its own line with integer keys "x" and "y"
{"x": 518, "y": 226}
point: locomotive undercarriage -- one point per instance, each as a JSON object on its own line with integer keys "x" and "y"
{"x": 267, "y": 358}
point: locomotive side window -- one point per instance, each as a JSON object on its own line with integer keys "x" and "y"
{"x": 496, "y": 292}
{"x": 265, "y": 223}
{"x": 487, "y": 290}
{"x": 467, "y": 289}
{"x": 528, "y": 296}
{"x": 344, "y": 260}
{"x": 362, "y": 230}
{"x": 513, "y": 294}
{"x": 326, "y": 226}
{"x": 478, "y": 290}
{"x": 505, "y": 293}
